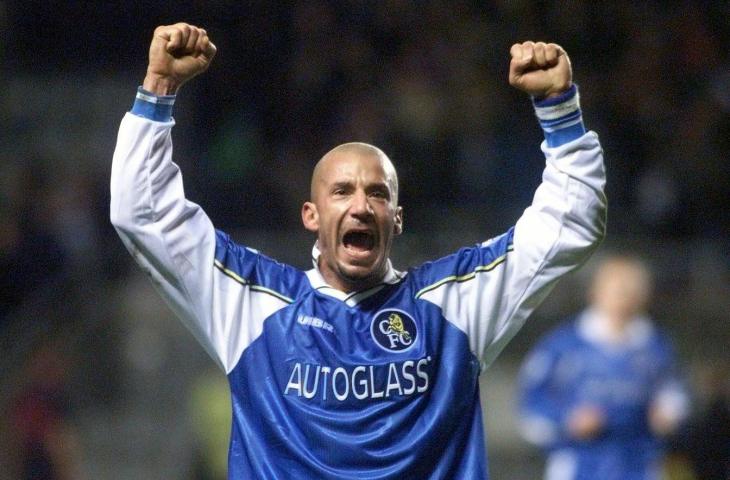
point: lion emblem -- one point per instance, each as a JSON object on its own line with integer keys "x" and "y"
{"x": 395, "y": 323}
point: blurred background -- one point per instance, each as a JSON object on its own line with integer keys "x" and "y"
{"x": 96, "y": 375}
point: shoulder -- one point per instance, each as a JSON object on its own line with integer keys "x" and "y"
{"x": 250, "y": 267}
{"x": 661, "y": 341}
{"x": 464, "y": 264}
{"x": 564, "y": 336}
{"x": 543, "y": 357}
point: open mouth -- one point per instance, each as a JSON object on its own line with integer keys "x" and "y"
{"x": 359, "y": 241}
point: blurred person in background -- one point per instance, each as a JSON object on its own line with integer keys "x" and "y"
{"x": 601, "y": 392}
{"x": 353, "y": 369}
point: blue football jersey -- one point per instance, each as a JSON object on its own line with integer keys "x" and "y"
{"x": 376, "y": 384}
{"x": 578, "y": 365}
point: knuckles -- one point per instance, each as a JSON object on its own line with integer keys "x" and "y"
{"x": 183, "y": 28}
{"x": 523, "y": 50}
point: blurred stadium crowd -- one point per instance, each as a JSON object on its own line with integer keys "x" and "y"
{"x": 425, "y": 81}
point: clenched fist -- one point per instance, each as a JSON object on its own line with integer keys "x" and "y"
{"x": 177, "y": 53}
{"x": 540, "y": 69}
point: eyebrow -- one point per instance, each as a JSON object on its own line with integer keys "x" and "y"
{"x": 341, "y": 184}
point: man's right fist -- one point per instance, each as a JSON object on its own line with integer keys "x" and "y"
{"x": 177, "y": 53}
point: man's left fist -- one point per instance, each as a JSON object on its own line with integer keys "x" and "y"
{"x": 540, "y": 69}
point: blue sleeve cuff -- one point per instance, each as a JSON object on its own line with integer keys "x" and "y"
{"x": 560, "y": 117}
{"x": 153, "y": 107}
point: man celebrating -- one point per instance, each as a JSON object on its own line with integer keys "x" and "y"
{"x": 353, "y": 369}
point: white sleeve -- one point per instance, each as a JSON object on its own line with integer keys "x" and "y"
{"x": 489, "y": 291}
{"x": 173, "y": 241}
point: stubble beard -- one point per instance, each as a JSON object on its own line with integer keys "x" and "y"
{"x": 364, "y": 280}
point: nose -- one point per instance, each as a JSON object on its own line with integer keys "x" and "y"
{"x": 360, "y": 207}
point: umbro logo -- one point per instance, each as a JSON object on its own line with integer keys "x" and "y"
{"x": 315, "y": 322}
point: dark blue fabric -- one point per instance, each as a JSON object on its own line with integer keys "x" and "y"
{"x": 427, "y": 425}
{"x": 562, "y": 136}
{"x": 258, "y": 269}
{"x": 463, "y": 262}
{"x": 320, "y": 395}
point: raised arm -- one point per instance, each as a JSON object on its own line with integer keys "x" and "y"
{"x": 208, "y": 281}
{"x": 489, "y": 290}
{"x": 169, "y": 237}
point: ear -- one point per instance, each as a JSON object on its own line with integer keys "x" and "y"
{"x": 398, "y": 225}
{"x": 310, "y": 217}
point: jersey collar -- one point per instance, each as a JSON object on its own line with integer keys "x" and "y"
{"x": 353, "y": 298}
{"x": 593, "y": 329}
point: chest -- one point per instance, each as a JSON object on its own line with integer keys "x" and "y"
{"x": 323, "y": 351}
{"x": 615, "y": 377}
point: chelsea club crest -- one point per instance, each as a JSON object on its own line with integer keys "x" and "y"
{"x": 393, "y": 330}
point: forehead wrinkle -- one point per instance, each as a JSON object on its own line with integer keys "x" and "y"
{"x": 362, "y": 149}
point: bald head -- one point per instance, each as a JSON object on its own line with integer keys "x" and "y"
{"x": 330, "y": 160}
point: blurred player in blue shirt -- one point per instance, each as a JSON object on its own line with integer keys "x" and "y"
{"x": 600, "y": 392}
